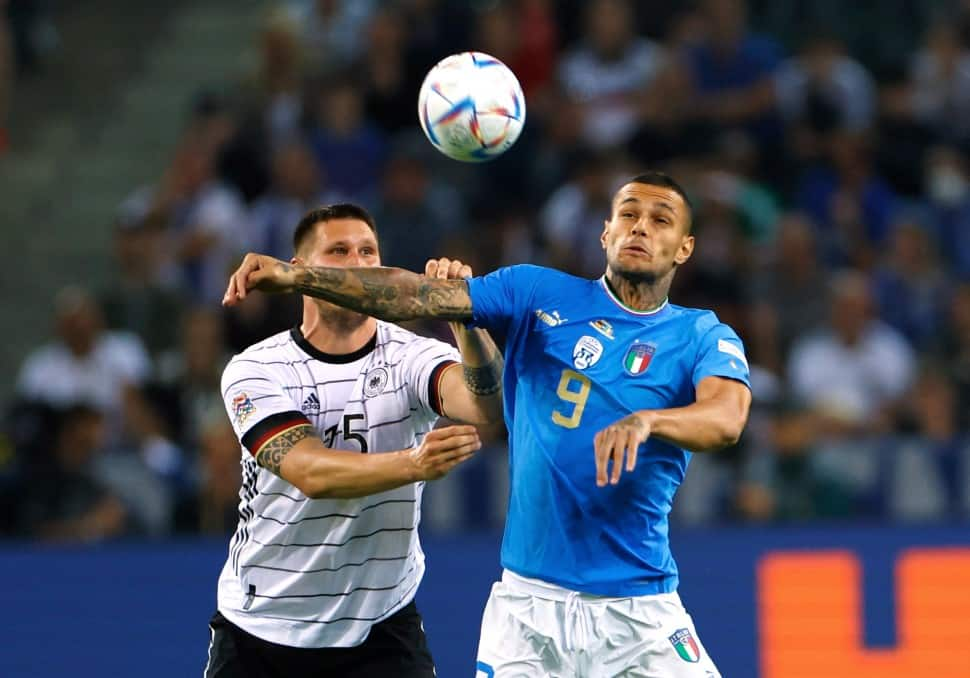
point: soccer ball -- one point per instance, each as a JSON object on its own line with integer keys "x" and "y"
{"x": 471, "y": 107}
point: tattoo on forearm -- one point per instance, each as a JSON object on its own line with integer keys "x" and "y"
{"x": 387, "y": 293}
{"x": 484, "y": 380}
{"x": 272, "y": 453}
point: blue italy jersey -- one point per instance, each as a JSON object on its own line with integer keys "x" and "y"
{"x": 576, "y": 361}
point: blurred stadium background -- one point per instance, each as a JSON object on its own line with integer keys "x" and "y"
{"x": 145, "y": 146}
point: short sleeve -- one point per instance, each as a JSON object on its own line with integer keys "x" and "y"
{"x": 721, "y": 354}
{"x": 258, "y": 406}
{"x": 501, "y": 296}
{"x": 424, "y": 360}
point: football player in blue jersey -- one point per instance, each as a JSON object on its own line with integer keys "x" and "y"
{"x": 609, "y": 388}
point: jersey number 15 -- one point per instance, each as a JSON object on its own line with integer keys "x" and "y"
{"x": 330, "y": 435}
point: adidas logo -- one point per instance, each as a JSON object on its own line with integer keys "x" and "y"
{"x": 311, "y": 404}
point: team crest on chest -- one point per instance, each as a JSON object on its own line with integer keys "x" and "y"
{"x": 375, "y": 381}
{"x": 587, "y": 352}
{"x": 638, "y": 357}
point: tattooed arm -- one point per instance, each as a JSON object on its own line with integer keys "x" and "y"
{"x": 299, "y": 456}
{"x": 386, "y": 293}
{"x": 472, "y": 391}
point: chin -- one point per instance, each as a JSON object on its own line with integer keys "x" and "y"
{"x": 637, "y": 273}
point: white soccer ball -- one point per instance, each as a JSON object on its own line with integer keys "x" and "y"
{"x": 471, "y": 107}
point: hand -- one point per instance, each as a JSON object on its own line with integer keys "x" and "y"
{"x": 625, "y": 436}
{"x": 259, "y": 272}
{"x": 447, "y": 269}
{"x": 443, "y": 449}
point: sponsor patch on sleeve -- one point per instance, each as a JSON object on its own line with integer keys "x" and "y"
{"x": 725, "y": 346}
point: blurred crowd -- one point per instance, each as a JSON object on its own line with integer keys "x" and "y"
{"x": 824, "y": 145}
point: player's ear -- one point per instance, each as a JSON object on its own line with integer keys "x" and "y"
{"x": 606, "y": 229}
{"x": 685, "y": 250}
{"x": 297, "y": 261}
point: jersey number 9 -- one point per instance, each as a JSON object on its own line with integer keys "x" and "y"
{"x": 575, "y": 395}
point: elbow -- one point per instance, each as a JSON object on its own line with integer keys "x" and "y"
{"x": 311, "y": 480}
{"x": 313, "y": 488}
{"x": 730, "y": 432}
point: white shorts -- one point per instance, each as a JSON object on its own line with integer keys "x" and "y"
{"x": 532, "y": 629}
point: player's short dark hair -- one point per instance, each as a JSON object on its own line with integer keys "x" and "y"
{"x": 340, "y": 210}
{"x": 664, "y": 180}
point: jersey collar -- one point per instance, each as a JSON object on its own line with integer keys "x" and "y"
{"x": 660, "y": 310}
{"x": 334, "y": 358}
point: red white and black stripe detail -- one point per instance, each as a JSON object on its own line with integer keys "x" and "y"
{"x": 270, "y": 427}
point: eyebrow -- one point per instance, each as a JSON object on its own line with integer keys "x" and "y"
{"x": 662, "y": 205}
{"x": 350, "y": 243}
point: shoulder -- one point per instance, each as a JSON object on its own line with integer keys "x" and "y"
{"x": 43, "y": 358}
{"x": 399, "y": 343}
{"x": 278, "y": 348}
{"x": 700, "y": 320}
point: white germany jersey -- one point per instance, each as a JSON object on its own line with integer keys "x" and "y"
{"x": 319, "y": 572}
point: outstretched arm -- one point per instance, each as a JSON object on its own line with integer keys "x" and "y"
{"x": 386, "y": 293}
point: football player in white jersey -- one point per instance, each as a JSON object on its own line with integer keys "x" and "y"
{"x": 336, "y": 423}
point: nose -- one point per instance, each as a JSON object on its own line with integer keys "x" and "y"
{"x": 640, "y": 227}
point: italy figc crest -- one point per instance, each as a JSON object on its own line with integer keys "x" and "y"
{"x": 686, "y": 646}
{"x": 638, "y": 358}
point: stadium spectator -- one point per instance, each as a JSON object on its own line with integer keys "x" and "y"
{"x": 349, "y": 148}
{"x": 911, "y": 286}
{"x": 390, "y": 81}
{"x": 297, "y": 187}
{"x": 937, "y": 94}
{"x": 276, "y": 91}
{"x": 85, "y": 364}
{"x": 418, "y": 214}
{"x": 732, "y": 72}
{"x": 608, "y": 72}
{"x": 947, "y": 188}
{"x": 216, "y": 511}
{"x": 823, "y": 89}
{"x": 572, "y": 218}
{"x": 187, "y": 384}
{"x": 851, "y": 374}
{"x": 849, "y": 201}
{"x": 66, "y": 502}
{"x": 138, "y": 299}
{"x": 332, "y": 31}
{"x": 203, "y": 219}
{"x": 787, "y": 295}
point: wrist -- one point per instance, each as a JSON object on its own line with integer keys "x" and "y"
{"x": 292, "y": 277}
{"x": 406, "y": 461}
{"x": 647, "y": 418}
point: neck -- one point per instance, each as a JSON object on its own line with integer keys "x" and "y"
{"x": 639, "y": 293}
{"x": 335, "y": 331}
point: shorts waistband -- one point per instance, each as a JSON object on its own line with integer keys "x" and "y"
{"x": 547, "y": 591}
